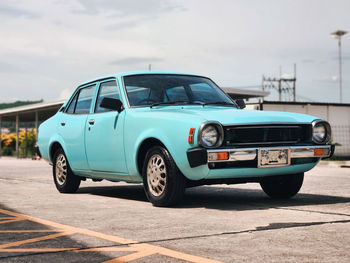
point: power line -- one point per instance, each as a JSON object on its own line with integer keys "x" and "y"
{"x": 284, "y": 85}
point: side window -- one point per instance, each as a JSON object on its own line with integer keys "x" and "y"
{"x": 84, "y": 100}
{"x": 72, "y": 104}
{"x": 107, "y": 89}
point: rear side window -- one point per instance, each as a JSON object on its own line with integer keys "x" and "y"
{"x": 84, "y": 100}
{"x": 107, "y": 89}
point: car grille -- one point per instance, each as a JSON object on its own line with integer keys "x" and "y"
{"x": 267, "y": 135}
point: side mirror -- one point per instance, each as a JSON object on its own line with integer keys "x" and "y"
{"x": 240, "y": 103}
{"x": 112, "y": 104}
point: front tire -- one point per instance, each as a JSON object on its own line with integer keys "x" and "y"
{"x": 282, "y": 187}
{"x": 163, "y": 182}
{"x": 65, "y": 180}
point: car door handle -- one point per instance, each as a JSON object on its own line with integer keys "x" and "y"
{"x": 91, "y": 122}
{"x": 63, "y": 123}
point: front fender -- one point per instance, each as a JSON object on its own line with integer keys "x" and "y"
{"x": 176, "y": 142}
{"x": 131, "y": 153}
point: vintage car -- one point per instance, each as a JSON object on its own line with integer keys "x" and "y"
{"x": 170, "y": 131}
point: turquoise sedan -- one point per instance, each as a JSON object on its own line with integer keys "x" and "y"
{"x": 171, "y": 131}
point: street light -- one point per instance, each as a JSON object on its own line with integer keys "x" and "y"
{"x": 338, "y": 34}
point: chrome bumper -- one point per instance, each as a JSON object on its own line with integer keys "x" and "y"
{"x": 247, "y": 154}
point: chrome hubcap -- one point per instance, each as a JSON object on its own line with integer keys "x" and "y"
{"x": 61, "y": 169}
{"x": 156, "y": 175}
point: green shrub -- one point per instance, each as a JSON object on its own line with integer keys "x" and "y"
{"x": 6, "y": 151}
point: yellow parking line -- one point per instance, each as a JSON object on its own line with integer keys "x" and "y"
{"x": 32, "y": 240}
{"x": 107, "y": 249}
{"x": 11, "y": 221}
{"x": 131, "y": 257}
{"x": 30, "y": 231}
{"x": 69, "y": 228}
{"x": 174, "y": 253}
{"x": 33, "y": 250}
{"x": 141, "y": 250}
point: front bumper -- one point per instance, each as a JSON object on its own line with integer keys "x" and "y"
{"x": 200, "y": 156}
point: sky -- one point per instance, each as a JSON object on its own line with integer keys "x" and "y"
{"x": 48, "y": 48}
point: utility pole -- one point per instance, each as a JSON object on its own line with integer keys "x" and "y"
{"x": 295, "y": 77}
{"x": 338, "y": 34}
{"x": 283, "y": 85}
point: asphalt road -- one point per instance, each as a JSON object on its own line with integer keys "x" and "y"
{"x": 113, "y": 222}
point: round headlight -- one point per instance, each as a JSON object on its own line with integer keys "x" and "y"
{"x": 321, "y": 132}
{"x": 210, "y": 136}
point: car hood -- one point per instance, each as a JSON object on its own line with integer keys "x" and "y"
{"x": 226, "y": 115}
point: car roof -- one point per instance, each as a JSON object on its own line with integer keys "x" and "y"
{"x": 123, "y": 74}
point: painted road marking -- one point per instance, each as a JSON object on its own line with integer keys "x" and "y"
{"x": 29, "y": 231}
{"x": 136, "y": 249}
{"x": 32, "y": 240}
{"x": 11, "y": 220}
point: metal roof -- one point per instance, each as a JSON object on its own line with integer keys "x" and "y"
{"x": 307, "y": 102}
{"x": 27, "y": 113}
{"x": 245, "y": 94}
{"x": 31, "y": 107}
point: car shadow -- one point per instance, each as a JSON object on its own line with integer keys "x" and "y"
{"x": 131, "y": 192}
{"x": 222, "y": 198}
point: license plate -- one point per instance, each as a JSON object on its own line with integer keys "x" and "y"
{"x": 273, "y": 157}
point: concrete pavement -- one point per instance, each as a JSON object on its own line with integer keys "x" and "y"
{"x": 236, "y": 223}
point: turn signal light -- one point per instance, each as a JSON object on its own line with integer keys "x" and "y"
{"x": 218, "y": 156}
{"x": 190, "y": 136}
{"x": 318, "y": 152}
{"x": 222, "y": 155}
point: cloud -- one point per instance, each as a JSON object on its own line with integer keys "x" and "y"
{"x": 126, "y": 7}
{"x": 135, "y": 61}
{"x": 343, "y": 57}
{"x": 308, "y": 61}
{"x": 327, "y": 79}
{"x": 13, "y": 11}
{"x": 8, "y": 68}
{"x": 122, "y": 25}
{"x": 65, "y": 94}
{"x": 75, "y": 40}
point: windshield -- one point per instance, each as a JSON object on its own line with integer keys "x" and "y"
{"x": 162, "y": 89}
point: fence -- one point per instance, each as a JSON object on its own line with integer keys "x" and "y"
{"x": 341, "y": 135}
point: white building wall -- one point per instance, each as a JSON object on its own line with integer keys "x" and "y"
{"x": 337, "y": 116}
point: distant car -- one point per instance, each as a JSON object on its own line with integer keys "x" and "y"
{"x": 170, "y": 131}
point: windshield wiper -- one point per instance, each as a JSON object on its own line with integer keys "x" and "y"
{"x": 176, "y": 102}
{"x": 223, "y": 103}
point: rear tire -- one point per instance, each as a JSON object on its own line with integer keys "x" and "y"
{"x": 65, "y": 180}
{"x": 282, "y": 187}
{"x": 163, "y": 182}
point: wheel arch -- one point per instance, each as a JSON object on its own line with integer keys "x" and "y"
{"x": 53, "y": 148}
{"x": 143, "y": 148}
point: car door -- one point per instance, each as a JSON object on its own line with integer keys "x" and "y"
{"x": 104, "y": 135}
{"x": 72, "y": 127}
